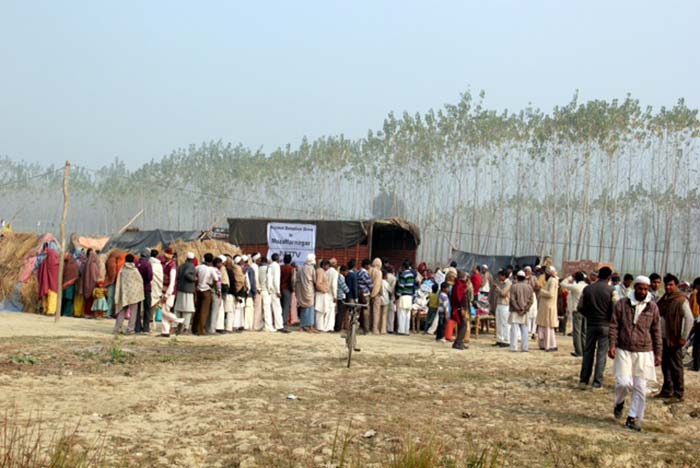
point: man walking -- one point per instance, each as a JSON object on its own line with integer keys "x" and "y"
{"x": 676, "y": 323}
{"x": 521, "y": 297}
{"x": 597, "y": 307}
{"x": 635, "y": 345}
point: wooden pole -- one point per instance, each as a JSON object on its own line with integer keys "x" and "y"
{"x": 59, "y": 293}
{"x": 131, "y": 221}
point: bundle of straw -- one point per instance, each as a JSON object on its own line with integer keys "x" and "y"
{"x": 14, "y": 248}
{"x": 199, "y": 248}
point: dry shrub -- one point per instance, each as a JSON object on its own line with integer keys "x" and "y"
{"x": 29, "y": 444}
{"x": 14, "y": 248}
{"x": 199, "y": 248}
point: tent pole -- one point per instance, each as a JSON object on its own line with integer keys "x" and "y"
{"x": 61, "y": 260}
{"x": 369, "y": 239}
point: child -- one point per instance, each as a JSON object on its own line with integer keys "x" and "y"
{"x": 100, "y": 305}
{"x": 443, "y": 312}
{"x": 433, "y": 304}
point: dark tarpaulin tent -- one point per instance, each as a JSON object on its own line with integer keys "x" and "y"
{"x": 138, "y": 240}
{"x": 329, "y": 234}
{"x": 467, "y": 260}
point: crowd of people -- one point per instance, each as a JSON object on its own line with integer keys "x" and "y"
{"x": 634, "y": 321}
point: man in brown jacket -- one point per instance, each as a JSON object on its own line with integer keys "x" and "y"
{"x": 635, "y": 345}
{"x": 676, "y": 324}
{"x": 375, "y": 274}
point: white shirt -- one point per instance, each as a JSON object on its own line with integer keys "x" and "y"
{"x": 206, "y": 277}
{"x": 273, "y": 278}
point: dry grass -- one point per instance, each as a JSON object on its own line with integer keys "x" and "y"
{"x": 407, "y": 401}
{"x": 14, "y": 248}
{"x": 199, "y": 248}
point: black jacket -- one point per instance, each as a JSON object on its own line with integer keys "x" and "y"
{"x": 597, "y": 303}
{"x": 186, "y": 278}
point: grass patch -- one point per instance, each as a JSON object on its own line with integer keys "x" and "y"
{"x": 23, "y": 359}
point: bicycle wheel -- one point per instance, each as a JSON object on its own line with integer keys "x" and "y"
{"x": 351, "y": 340}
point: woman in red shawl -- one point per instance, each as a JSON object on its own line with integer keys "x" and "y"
{"x": 48, "y": 281}
{"x": 461, "y": 313}
{"x": 86, "y": 285}
{"x": 71, "y": 273}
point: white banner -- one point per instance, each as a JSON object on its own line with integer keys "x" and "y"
{"x": 298, "y": 240}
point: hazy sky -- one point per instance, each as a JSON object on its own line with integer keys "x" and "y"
{"x": 88, "y": 81}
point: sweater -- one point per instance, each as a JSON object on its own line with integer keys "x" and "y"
{"x": 597, "y": 303}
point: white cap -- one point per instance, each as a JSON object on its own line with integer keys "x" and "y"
{"x": 245, "y": 258}
{"x": 642, "y": 280}
{"x": 521, "y": 274}
{"x": 222, "y": 258}
{"x": 485, "y": 267}
{"x": 527, "y": 268}
{"x": 311, "y": 258}
{"x": 551, "y": 270}
{"x": 190, "y": 255}
{"x": 237, "y": 259}
{"x": 256, "y": 257}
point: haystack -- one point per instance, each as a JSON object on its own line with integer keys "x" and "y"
{"x": 199, "y": 248}
{"x": 18, "y": 255}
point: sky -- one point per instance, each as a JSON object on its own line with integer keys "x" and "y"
{"x": 90, "y": 81}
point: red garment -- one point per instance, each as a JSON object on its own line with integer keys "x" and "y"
{"x": 48, "y": 274}
{"x": 91, "y": 274}
{"x": 111, "y": 268}
{"x": 477, "y": 281}
{"x": 286, "y": 273}
{"x": 458, "y": 300}
{"x": 71, "y": 271}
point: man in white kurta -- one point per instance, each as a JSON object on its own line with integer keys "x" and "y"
{"x": 636, "y": 347}
{"x": 274, "y": 277}
{"x": 332, "y": 274}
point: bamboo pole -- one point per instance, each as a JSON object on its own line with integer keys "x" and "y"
{"x": 59, "y": 293}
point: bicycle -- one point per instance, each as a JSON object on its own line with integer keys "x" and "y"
{"x": 354, "y": 323}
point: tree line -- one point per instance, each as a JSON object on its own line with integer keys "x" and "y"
{"x": 607, "y": 180}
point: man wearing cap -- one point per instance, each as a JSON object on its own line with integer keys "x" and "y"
{"x": 635, "y": 345}
{"x": 239, "y": 293}
{"x": 168, "y": 298}
{"x": 266, "y": 297}
{"x": 186, "y": 286}
{"x": 305, "y": 292}
{"x": 521, "y": 297}
{"x": 143, "y": 319}
{"x": 676, "y": 324}
{"x": 547, "y": 318}
{"x": 597, "y": 307}
{"x": 258, "y": 323}
{"x": 274, "y": 285}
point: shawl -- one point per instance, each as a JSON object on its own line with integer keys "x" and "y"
{"x": 48, "y": 274}
{"x": 70, "y": 271}
{"x": 305, "y": 286}
{"x": 90, "y": 276}
{"x": 671, "y": 310}
{"x": 129, "y": 288}
{"x": 694, "y": 303}
{"x": 111, "y": 268}
{"x": 459, "y": 300}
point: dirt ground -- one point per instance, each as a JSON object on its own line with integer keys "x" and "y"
{"x": 223, "y": 400}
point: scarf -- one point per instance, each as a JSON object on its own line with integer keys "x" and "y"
{"x": 90, "y": 276}
{"x": 70, "y": 271}
{"x": 48, "y": 274}
{"x": 639, "y": 306}
{"x": 129, "y": 287}
{"x": 671, "y": 310}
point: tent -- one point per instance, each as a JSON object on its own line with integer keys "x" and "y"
{"x": 392, "y": 238}
{"x": 135, "y": 241}
{"x": 466, "y": 260}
